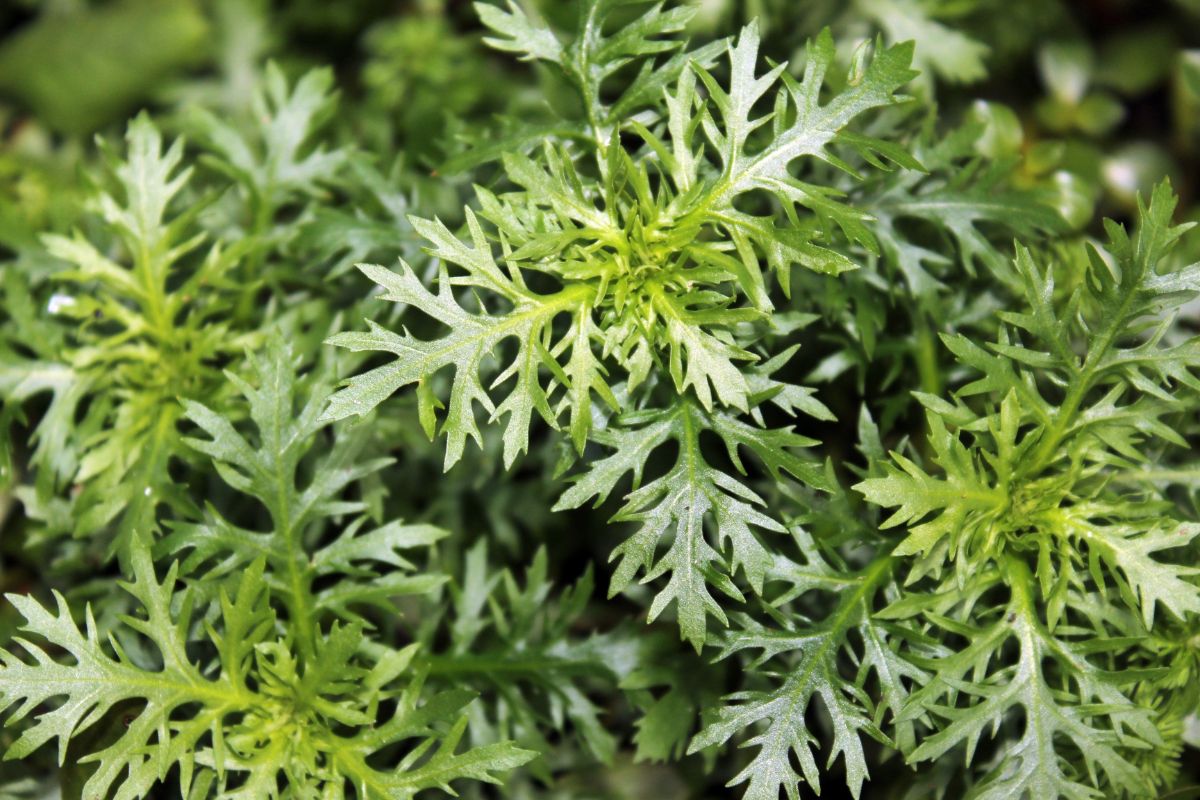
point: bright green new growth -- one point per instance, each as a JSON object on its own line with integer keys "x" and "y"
{"x": 156, "y": 303}
{"x": 213, "y": 728}
{"x": 1049, "y": 488}
{"x": 661, "y": 293}
{"x": 268, "y": 472}
{"x": 144, "y": 338}
{"x": 284, "y": 163}
{"x": 656, "y": 267}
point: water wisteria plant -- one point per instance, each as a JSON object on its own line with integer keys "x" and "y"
{"x": 804, "y": 347}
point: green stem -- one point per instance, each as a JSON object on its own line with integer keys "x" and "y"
{"x": 299, "y": 583}
{"x": 833, "y": 629}
{"x": 298, "y": 564}
{"x": 1019, "y": 579}
{"x": 264, "y": 212}
{"x": 501, "y": 663}
{"x": 1081, "y": 382}
{"x": 928, "y": 369}
{"x": 1186, "y": 477}
{"x": 153, "y": 285}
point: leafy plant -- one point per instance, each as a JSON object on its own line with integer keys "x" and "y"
{"x": 1038, "y": 515}
{"x": 282, "y": 695}
{"x": 149, "y": 325}
{"x": 795, "y": 327}
{"x": 656, "y": 272}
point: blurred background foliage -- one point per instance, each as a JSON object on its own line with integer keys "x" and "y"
{"x": 1105, "y": 91}
{"x": 1093, "y": 100}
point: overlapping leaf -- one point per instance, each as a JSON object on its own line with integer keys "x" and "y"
{"x": 1022, "y": 495}
{"x": 264, "y": 716}
{"x": 808, "y": 658}
{"x": 368, "y": 564}
{"x": 1033, "y": 475}
{"x": 1080, "y": 730}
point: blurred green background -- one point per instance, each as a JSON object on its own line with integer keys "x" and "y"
{"x": 1104, "y": 91}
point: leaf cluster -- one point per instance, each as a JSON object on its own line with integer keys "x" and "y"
{"x": 328, "y": 395}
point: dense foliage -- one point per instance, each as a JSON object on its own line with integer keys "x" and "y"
{"x": 853, "y": 348}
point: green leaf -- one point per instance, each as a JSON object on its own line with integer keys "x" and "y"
{"x": 960, "y": 194}
{"x": 595, "y": 52}
{"x": 941, "y": 51}
{"x": 811, "y": 655}
{"x": 471, "y": 340}
{"x": 801, "y": 128}
{"x": 1033, "y": 477}
{"x": 1086, "y": 711}
{"x": 358, "y": 568}
{"x": 651, "y": 269}
{"x": 678, "y": 505}
{"x": 523, "y": 650}
{"x": 149, "y": 320}
{"x": 517, "y": 33}
{"x": 280, "y": 160}
{"x": 306, "y": 704}
{"x": 160, "y": 734}
{"x": 962, "y": 503}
